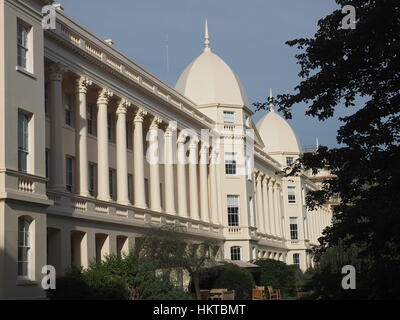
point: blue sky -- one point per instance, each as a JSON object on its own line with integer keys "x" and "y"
{"x": 249, "y": 35}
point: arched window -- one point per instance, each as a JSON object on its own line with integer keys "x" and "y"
{"x": 236, "y": 253}
{"x": 24, "y": 247}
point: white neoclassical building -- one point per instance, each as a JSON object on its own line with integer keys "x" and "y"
{"x": 82, "y": 132}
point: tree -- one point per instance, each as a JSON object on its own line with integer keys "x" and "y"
{"x": 168, "y": 247}
{"x": 357, "y": 69}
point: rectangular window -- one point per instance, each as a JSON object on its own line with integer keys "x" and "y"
{"x": 112, "y": 182}
{"x": 292, "y": 194}
{"x": 69, "y": 173}
{"x": 130, "y": 187}
{"x": 236, "y": 253}
{"x": 296, "y": 259}
{"x": 289, "y": 161}
{"x": 293, "y": 229}
{"x": 229, "y": 116}
{"x": 233, "y": 210}
{"x": 146, "y": 191}
{"x": 24, "y": 248}
{"x": 230, "y": 163}
{"x": 23, "y": 141}
{"x": 22, "y": 44}
{"x": 110, "y": 127}
{"x": 93, "y": 179}
{"x": 69, "y": 109}
{"x": 91, "y": 119}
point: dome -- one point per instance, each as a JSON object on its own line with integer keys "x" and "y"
{"x": 277, "y": 134}
{"x": 209, "y": 80}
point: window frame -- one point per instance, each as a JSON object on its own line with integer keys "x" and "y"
{"x": 23, "y": 45}
{"x": 69, "y": 106}
{"x": 236, "y": 253}
{"x": 25, "y": 246}
{"x": 294, "y": 228}
{"x": 92, "y": 176}
{"x": 233, "y": 211}
{"x": 69, "y": 173}
{"x": 23, "y": 147}
{"x": 289, "y": 161}
{"x": 231, "y": 114}
{"x": 230, "y": 164}
{"x": 296, "y": 259}
{"x": 291, "y": 196}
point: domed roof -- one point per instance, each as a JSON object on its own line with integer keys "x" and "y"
{"x": 277, "y": 134}
{"x": 209, "y": 80}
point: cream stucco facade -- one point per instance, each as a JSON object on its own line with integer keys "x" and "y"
{"x": 81, "y": 128}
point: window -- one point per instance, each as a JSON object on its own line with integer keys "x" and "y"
{"x": 296, "y": 259}
{"x": 46, "y": 98}
{"x": 111, "y": 180}
{"x": 110, "y": 127}
{"x": 69, "y": 109}
{"x": 292, "y": 194}
{"x": 24, "y": 248}
{"x": 146, "y": 191}
{"x": 130, "y": 188}
{"x": 23, "y": 44}
{"x": 92, "y": 179}
{"x": 293, "y": 229}
{"x": 236, "y": 253}
{"x": 233, "y": 210}
{"x": 69, "y": 173}
{"x": 23, "y": 141}
{"x": 289, "y": 161}
{"x": 230, "y": 163}
{"x": 129, "y": 144}
{"x": 229, "y": 117}
{"x": 91, "y": 119}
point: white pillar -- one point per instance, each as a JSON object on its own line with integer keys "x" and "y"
{"x": 122, "y": 166}
{"x": 154, "y": 164}
{"x": 181, "y": 177}
{"x": 271, "y": 205}
{"x": 169, "y": 169}
{"x": 204, "y": 183}
{"x": 213, "y": 187}
{"x": 140, "y": 198}
{"x": 81, "y": 153}
{"x": 57, "y": 157}
{"x": 260, "y": 208}
{"x": 267, "y": 213}
{"x": 193, "y": 183}
{"x": 102, "y": 146}
{"x": 278, "y": 211}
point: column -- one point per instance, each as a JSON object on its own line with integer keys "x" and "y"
{"x": 81, "y": 153}
{"x": 181, "y": 177}
{"x": 278, "y": 220}
{"x": 102, "y": 146}
{"x": 122, "y": 166}
{"x": 213, "y": 187}
{"x": 140, "y": 198}
{"x": 193, "y": 183}
{"x": 271, "y": 207}
{"x": 276, "y": 210}
{"x": 260, "y": 209}
{"x": 204, "y": 183}
{"x": 154, "y": 161}
{"x": 169, "y": 169}
{"x": 57, "y": 157}
{"x": 267, "y": 213}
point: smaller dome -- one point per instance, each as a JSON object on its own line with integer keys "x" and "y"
{"x": 277, "y": 134}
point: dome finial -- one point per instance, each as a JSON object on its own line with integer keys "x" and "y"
{"x": 271, "y": 101}
{"x": 206, "y": 38}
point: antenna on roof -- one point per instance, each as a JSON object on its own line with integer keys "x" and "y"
{"x": 206, "y": 38}
{"x": 317, "y": 143}
{"x": 270, "y": 101}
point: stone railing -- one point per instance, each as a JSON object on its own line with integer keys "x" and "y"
{"x": 65, "y": 202}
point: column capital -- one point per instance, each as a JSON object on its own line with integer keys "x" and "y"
{"x": 271, "y": 182}
{"x": 266, "y": 179}
{"x": 105, "y": 96}
{"x": 182, "y": 137}
{"x": 193, "y": 143}
{"x": 56, "y": 71}
{"x": 123, "y": 106}
{"x": 82, "y": 84}
{"x": 260, "y": 176}
{"x": 171, "y": 128}
{"x": 155, "y": 123}
{"x": 140, "y": 114}
{"x": 204, "y": 148}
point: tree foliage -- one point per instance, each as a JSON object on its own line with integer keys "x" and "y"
{"x": 357, "y": 69}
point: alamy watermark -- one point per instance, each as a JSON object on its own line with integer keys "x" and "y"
{"x": 49, "y": 17}
{"x": 349, "y": 20}
{"x": 349, "y": 280}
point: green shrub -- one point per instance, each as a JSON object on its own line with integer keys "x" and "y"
{"x": 279, "y": 275}
{"x": 228, "y": 276}
{"x": 117, "y": 278}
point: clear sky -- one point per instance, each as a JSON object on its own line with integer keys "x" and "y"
{"x": 249, "y": 35}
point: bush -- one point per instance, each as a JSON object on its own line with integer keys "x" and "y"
{"x": 116, "y": 278}
{"x": 228, "y": 276}
{"x": 279, "y": 275}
